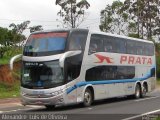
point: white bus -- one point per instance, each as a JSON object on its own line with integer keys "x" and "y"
{"x": 62, "y": 67}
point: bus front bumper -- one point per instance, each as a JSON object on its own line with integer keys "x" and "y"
{"x": 38, "y": 100}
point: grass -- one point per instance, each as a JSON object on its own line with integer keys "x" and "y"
{"x": 10, "y": 90}
{"x": 158, "y": 81}
{"x": 5, "y": 60}
{"x": 9, "y": 53}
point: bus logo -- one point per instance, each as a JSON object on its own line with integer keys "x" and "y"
{"x": 102, "y": 58}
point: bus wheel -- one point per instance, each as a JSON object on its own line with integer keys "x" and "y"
{"x": 137, "y": 91}
{"x": 50, "y": 107}
{"x": 88, "y": 98}
{"x": 144, "y": 90}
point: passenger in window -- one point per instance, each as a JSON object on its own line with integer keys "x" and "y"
{"x": 108, "y": 48}
{"x": 93, "y": 48}
{"x": 75, "y": 44}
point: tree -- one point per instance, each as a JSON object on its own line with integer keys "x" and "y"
{"x": 6, "y": 40}
{"x": 106, "y": 19}
{"x": 17, "y": 31}
{"x": 143, "y": 12}
{"x": 157, "y": 28}
{"x": 35, "y": 28}
{"x": 3, "y": 36}
{"x": 114, "y": 18}
{"x": 72, "y": 12}
{"x": 19, "y": 28}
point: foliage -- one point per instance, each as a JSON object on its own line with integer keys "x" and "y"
{"x": 137, "y": 18}
{"x": 106, "y": 19}
{"x": 158, "y": 66}
{"x": 14, "y": 38}
{"x": 145, "y": 14}
{"x": 5, "y": 35}
{"x": 7, "y": 39}
{"x": 19, "y": 28}
{"x": 35, "y": 28}
{"x": 72, "y": 12}
{"x": 9, "y": 90}
{"x": 114, "y": 18}
{"x": 10, "y": 52}
{"x": 133, "y": 35}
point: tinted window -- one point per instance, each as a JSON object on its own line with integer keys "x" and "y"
{"x": 96, "y": 44}
{"x": 131, "y": 47}
{"x": 110, "y": 45}
{"x": 121, "y": 45}
{"x": 42, "y": 74}
{"x": 150, "y": 49}
{"x": 77, "y": 40}
{"x": 72, "y": 67}
{"x": 139, "y": 47}
{"x": 104, "y": 43}
{"x": 45, "y": 43}
{"x": 110, "y": 73}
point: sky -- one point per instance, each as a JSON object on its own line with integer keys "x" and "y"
{"x": 44, "y": 12}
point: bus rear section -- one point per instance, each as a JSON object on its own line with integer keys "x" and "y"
{"x": 117, "y": 66}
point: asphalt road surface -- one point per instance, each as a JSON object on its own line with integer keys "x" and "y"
{"x": 110, "y": 109}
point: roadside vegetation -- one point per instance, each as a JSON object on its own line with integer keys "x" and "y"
{"x": 10, "y": 90}
{"x": 9, "y": 53}
{"x": 158, "y": 81}
{"x": 10, "y": 81}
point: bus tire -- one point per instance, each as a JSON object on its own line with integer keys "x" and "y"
{"x": 144, "y": 90}
{"x": 50, "y": 107}
{"x": 137, "y": 93}
{"x": 88, "y": 98}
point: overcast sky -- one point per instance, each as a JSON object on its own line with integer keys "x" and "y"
{"x": 44, "y": 12}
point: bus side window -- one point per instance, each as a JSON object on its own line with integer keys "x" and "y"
{"x": 75, "y": 44}
{"x": 95, "y": 44}
{"x": 131, "y": 47}
{"x": 108, "y": 47}
{"x": 109, "y": 44}
{"x": 151, "y": 49}
{"x": 140, "y": 48}
{"x": 77, "y": 40}
{"x": 121, "y": 45}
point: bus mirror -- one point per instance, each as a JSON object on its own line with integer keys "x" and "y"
{"x": 13, "y": 59}
{"x": 68, "y": 54}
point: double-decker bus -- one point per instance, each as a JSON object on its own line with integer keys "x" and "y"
{"x": 61, "y": 67}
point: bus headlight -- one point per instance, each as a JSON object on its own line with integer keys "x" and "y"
{"x": 23, "y": 93}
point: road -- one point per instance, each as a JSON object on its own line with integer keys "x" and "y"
{"x": 115, "y": 109}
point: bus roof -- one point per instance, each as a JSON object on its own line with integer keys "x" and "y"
{"x": 58, "y": 30}
{"x": 93, "y": 32}
{"x": 120, "y": 36}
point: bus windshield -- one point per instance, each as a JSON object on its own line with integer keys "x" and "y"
{"x": 42, "y": 74}
{"x": 42, "y": 43}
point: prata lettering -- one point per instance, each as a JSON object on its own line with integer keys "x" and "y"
{"x": 135, "y": 60}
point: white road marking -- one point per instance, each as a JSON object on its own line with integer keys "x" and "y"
{"x": 15, "y": 110}
{"x": 90, "y": 108}
{"x": 32, "y": 107}
{"x": 147, "y": 98}
{"x": 141, "y": 115}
